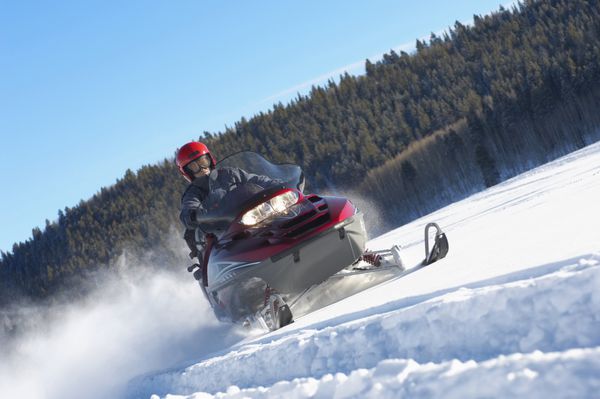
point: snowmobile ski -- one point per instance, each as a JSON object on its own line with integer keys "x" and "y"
{"x": 384, "y": 260}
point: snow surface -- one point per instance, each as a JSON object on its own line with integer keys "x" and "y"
{"x": 513, "y": 310}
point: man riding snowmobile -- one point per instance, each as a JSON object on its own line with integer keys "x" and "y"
{"x": 195, "y": 163}
{"x": 263, "y": 244}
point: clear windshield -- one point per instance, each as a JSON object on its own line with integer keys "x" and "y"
{"x": 254, "y": 163}
{"x": 242, "y": 181}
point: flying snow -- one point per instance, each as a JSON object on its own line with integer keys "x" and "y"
{"x": 138, "y": 321}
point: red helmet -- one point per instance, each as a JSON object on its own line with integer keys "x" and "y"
{"x": 189, "y": 152}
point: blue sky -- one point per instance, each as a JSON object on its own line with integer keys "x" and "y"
{"x": 89, "y": 89}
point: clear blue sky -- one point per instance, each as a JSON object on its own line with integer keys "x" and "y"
{"x": 89, "y": 89}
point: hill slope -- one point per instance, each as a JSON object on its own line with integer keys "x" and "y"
{"x": 512, "y": 310}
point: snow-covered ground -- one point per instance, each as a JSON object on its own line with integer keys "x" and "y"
{"x": 513, "y": 310}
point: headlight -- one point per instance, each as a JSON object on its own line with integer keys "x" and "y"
{"x": 269, "y": 208}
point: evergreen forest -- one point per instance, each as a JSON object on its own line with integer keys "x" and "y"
{"x": 465, "y": 111}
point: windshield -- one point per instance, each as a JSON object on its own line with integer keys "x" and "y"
{"x": 241, "y": 181}
{"x": 254, "y": 163}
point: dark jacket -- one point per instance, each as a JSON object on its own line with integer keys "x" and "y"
{"x": 198, "y": 193}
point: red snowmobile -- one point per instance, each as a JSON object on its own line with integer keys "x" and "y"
{"x": 266, "y": 247}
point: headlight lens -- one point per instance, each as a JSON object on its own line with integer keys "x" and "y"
{"x": 269, "y": 208}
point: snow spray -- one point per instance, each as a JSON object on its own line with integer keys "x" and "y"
{"x": 139, "y": 318}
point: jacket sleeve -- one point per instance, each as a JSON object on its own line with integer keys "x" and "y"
{"x": 261, "y": 180}
{"x": 191, "y": 206}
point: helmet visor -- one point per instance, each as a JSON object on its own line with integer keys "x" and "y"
{"x": 198, "y": 164}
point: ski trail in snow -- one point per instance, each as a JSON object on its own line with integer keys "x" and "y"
{"x": 555, "y": 312}
{"x": 574, "y": 174}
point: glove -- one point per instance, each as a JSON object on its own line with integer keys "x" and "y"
{"x": 190, "y": 239}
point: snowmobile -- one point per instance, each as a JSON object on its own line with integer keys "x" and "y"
{"x": 265, "y": 247}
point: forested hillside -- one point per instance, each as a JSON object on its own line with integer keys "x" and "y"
{"x": 465, "y": 111}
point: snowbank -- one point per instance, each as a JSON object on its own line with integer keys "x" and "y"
{"x": 555, "y": 313}
{"x": 573, "y": 374}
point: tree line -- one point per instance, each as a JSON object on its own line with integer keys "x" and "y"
{"x": 468, "y": 109}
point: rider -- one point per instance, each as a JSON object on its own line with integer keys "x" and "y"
{"x": 195, "y": 163}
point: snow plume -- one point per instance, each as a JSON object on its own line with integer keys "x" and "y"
{"x": 138, "y": 319}
{"x": 375, "y": 223}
